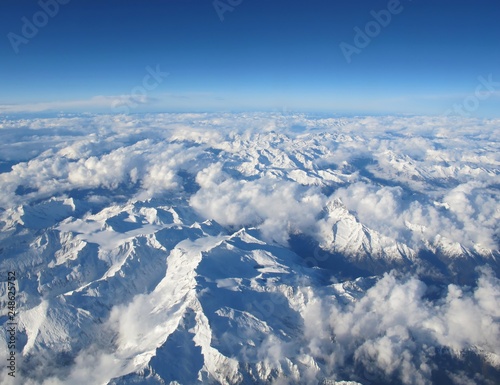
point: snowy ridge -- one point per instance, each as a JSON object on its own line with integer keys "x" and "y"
{"x": 351, "y": 238}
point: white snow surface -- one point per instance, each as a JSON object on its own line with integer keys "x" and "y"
{"x": 251, "y": 248}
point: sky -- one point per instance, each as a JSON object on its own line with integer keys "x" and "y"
{"x": 335, "y": 57}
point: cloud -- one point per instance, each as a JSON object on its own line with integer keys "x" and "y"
{"x": 96, "y": 103}
{"x": 429, "y": 180}
{"x": 151, "y": 166}
{"x": 278, "y": 208}
{"x": 470, "y": 215}
{"x": 395, "y": 331}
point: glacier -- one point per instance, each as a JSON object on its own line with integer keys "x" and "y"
{"x": 251, "y": 248}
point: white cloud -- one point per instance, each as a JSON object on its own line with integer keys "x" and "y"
{"x": 393, "y": 330}
{"x": 96, "y": 103}
{"x": 277, "y": 207}
{"x": 438, "y": 182}
{"x": 471, "y": 217}
{"x": 424, "y": 182}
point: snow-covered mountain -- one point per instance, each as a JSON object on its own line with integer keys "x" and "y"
{"x": 252, "y": 249}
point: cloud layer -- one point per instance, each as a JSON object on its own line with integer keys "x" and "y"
{"x": 394, "y": 331}
{"x": 87, "y": 199}
{"x": 424, "y": 182}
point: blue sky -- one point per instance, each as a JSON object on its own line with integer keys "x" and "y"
{"x": 264, "y": 55}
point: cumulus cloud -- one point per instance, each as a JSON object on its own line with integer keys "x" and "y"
{"x": 89, "y": 367}
{"x": 395, "y": 331}
{"x": 410, "y": 179}
{"x": 150, "y": 165}
{"x": 467, "y": 214}
{"x": 421, "y": 181}
{"x": 277, "y": 207}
